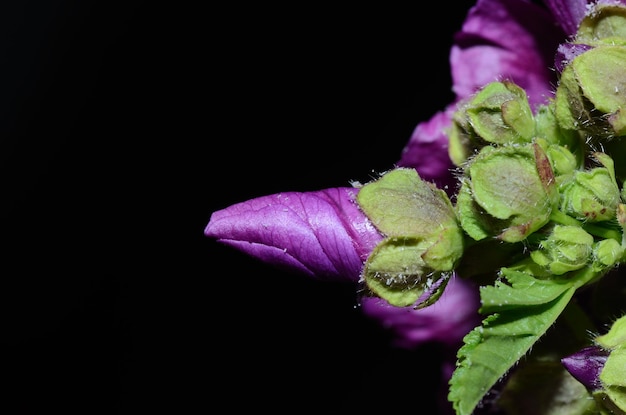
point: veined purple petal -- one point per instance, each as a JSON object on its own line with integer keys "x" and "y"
{"x": 427, "y": 151}
{"x": 586, "y": 365}
{"x": 321, "y": 234}
{"x": 500, "y": 39}
{"x": 506, "y": 40}
{"x": 447, "y": 321}
{"x": 568, "y": 13}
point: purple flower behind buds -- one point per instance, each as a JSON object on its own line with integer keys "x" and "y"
{"x": 320, "y": 234}
{"x": 586, "y": 365}
{"x": 325, "y": 235}
{"x": 511, "y": 40}
{"x": 566, "y": 52}
{"x": 427, "y": 152}
{"x": 568, "y": 13}
{"x": 446, "y": 321}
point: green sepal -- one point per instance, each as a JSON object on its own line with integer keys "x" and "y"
{"x": 604, "y": 24}
{"x": 500, "y": 114}
{"x": 462, "y": 140}
{"x": 607, "y": 253}
{"x": 592, "y": 195}
{"x": 613, "y": 374}
{"x": 401, "y": 204}
{"x": 613, "y": 378}
{"x": 591, "y": 93}
{"x": 548, "y": 129}
{"x": 567, "y": 248}
{"x": 563, "y": 161}
{"x": 423, "y": 237}
{"x": 615, "y": 337}
{"x": 396, "y": 272}
{"x": 475, "y": 221}
{"x": 514, "y": 186}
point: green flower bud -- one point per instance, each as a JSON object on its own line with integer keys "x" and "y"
{"x": 562, "y": 160}
{"x": 567, "y": 248}
{"x": 397, "y": 272}
{"x": 462, "y": 140}
{"x": 613, "y": 392}
{"x": 606, "y": 23}
{"x": 607, "y": 253}
{"x": 592, "y": 93}
{"x": 592, "y": 195}
{"x": 509, "y": 193}
{"x": 564, "y": 163}
{"x": 500, "y": 113}
{"x": 615, "y": 337}
{"x": 548, "y": 128}
{"x": 424, "y": 240}
{"x": 497, "y": 114}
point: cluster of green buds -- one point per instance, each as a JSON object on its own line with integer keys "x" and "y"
{"x": 539, "y": 194}
{"x": 549, "y": 178}
{"x": 423, "y": 243}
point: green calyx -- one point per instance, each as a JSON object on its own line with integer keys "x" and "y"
{"x": 567, "y": 248}
{"x": 509, "y": 193}
{"x": 592, "y": 195}
{"x": 423, "y": 243}
{"x": 613, "y": 392}
{"x": 592, "y": 93}
{"x": 605, "y": 24}
{"x": 498, "y": 114}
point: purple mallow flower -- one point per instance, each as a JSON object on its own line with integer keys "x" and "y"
{"x": 500, "y": 39}
{"x": 586, "y": 366}
{"x": 325, "y": 235}
{"x": 446, "y": 321}
{"x": 321, "y": 234}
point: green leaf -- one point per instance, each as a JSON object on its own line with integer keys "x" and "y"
{"x": 521, "y": 313}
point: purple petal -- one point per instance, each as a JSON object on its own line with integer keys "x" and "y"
{"x": 568, "y": 13}
{"x": 586, "y": 365}
{"x": 427, "y": 151}
{"x": 322, "y": 234}
{"x": 447, "y": 321}
{"x": 566, "y": 52}
{"x": 506, "y": 40}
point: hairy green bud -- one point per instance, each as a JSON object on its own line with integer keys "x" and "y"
{"x": 567, "y": 248}
{"x": 592, "y": 93}
{"x": 498, "y": 114}
{"x": 606, "y": 23}
{"x": 423, "y": 240}
{"x": 509, "y": 193}
{"x": 613, "y": 392}
{"x": 592, "y": 195}
{"x": 607, "y": 253}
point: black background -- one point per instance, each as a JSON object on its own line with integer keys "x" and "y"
{"x": 123, "y": 125}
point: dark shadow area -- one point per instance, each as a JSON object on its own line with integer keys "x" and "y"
{"x": 123, "y": 125}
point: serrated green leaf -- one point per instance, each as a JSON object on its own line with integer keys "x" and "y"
{"x": 521, "y": 313}
{"x": 525, "y": 290}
